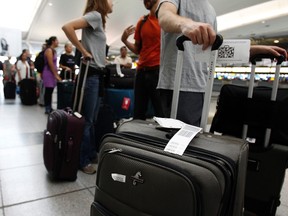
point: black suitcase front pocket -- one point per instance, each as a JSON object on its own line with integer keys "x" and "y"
{"x": 155, "y": 184}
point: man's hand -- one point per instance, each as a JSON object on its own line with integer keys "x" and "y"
{"x": 263, "y": 49}
{"x": 127, "y": 32}
{"x": 199, "y": 33}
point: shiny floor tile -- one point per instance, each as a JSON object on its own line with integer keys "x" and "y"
{"x": 21, "y": 139}
{"x": 21, "y": 156}
{"x": 30, "y": 183}
{"x": 72, "y": 204}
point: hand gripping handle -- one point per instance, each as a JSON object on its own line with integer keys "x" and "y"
{"x": 181, "y": 39}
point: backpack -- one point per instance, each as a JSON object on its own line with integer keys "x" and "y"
{"x": 39, "y": 62}
{"x": 140, "y": 27}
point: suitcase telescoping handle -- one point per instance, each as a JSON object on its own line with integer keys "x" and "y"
{"x": 82, "y": 86}
{"x": 65, "y": 75}
{"x": 253, "y": 59}
{"x": 180, "y": 45}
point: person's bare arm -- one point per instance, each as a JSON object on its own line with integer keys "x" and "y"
{"x": 264, "y": 49}
{"x": 133, "y": 47}
{"x": 70, "y": 31}
{"x": 199, "y": 33}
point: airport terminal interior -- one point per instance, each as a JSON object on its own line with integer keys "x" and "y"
{"x": 25, "y": 188}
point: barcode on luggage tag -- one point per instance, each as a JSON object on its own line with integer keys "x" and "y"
{"x": 185, "y": 133}
{"x": 179, "y": 142}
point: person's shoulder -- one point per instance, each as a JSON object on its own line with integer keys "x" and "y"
{"x": 92, "y": 15}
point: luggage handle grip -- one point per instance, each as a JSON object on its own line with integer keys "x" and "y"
{"x": 181, "y": 39}
{"x": 279, "y": 58}
{"x": 86, "y": 58}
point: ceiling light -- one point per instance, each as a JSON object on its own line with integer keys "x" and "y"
{"x": 276, "y": 41}
{"x": 50, "y": 4}
{"x": 254, "y": 14}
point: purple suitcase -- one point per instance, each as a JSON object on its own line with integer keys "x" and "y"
{"x": 62, "y": 139}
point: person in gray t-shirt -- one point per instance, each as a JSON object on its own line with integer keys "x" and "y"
{"x": 195, "y": 16}
{"x": 93, "y": 46}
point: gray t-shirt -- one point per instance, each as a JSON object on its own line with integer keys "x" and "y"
{"x": 94, "y": 39}
{"x": 194, "y": 73}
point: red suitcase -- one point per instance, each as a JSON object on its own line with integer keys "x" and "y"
{"x": 62, "y": 139}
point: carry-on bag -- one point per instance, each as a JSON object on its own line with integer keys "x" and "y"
{"x": 28, "y": 93}
{"x": 63, "y": 136}
{"x": 120, "y": 78}
{"x": 258, "y": 114}
{"x": 9, "y": 90}
{"x": 121, "y": 101}
{"x": 65, "y": 92}
{"x": 136, "y": 176}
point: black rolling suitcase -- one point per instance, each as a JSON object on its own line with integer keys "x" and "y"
{"x": 105, "y": 123}
{"x": 65, "y": 92}
{"x": 261, "y": 119}
{"x": 120, "y": 78}
{"x": 136, "y": 177}
{"x": 63, "y": 136}
{"x": 28, "y": 93}
{"x": 9, "y": 90}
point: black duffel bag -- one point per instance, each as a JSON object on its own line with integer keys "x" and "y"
{"x": 125, "y": 80}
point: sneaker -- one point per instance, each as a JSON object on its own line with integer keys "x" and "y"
{"x": 89, "y": 169}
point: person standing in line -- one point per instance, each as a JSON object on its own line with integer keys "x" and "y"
{"x": 92, "y": 46}
{"x": 22, "y": 67}
{"x": 147, "y": 45}
{"x": 67, "y": 62}
{"x": 197, "y": 21}
{"x": 50, "y": 72}
{"x": 9, "y": 71}
{"x": 123, "y": 59}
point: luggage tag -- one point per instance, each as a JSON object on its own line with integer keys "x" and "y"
{"x": 78, "y": 115}
{"x": 180, "y": 141}
{"x": 169, "y": 123}
{"x": 126, "y": 103}
{"x": 231, "y": 51}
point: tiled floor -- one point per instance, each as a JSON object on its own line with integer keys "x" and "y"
{"x": 25, "y": 189}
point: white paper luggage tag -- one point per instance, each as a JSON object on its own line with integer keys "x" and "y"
{"x": 231, "y": 51}
{"x": 179, "y": 142}
{"x": 169, "y": 122}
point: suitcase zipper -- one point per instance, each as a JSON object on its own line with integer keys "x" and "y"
{"x": 227, "y": 166}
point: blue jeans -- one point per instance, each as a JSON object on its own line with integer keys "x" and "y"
{"x": 90, "y": 108}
